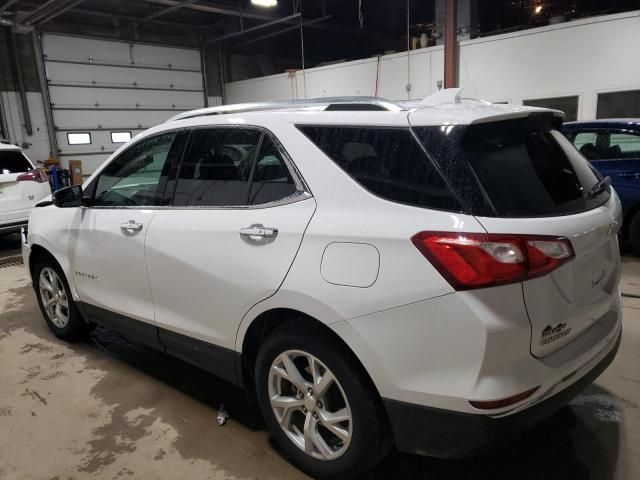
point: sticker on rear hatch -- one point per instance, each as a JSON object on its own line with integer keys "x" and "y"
{"x": 551, "y": 333}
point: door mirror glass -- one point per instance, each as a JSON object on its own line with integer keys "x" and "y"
{"x": 68, "y": 197}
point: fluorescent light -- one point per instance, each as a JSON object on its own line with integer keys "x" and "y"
{"x": 264, "y": 3}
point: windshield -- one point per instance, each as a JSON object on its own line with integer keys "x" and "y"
{"x": 514, "y": 168}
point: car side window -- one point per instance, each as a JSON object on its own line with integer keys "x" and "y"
{"x": 272, "y": 180}
{"x": 138, "y": 176}
{"x": 624, "y": 144}
{"x": 216, "y": 168}
{"x": 586, "y": 142}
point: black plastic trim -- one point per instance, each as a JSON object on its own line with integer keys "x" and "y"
{"x": 442, "y": 433}
{"x": 220, "y": 361}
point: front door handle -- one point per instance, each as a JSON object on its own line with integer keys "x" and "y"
{"x": 258, "y": 232}
{"x": 131, "y": 226}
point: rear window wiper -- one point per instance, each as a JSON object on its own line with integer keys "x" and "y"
{"x": 599, "y": 187}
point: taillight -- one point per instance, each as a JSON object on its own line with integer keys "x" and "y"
{"x": 475, "y": 260}
{"x": 33, "y": 176}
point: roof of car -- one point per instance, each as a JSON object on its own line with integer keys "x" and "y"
{"x": 445, "y": 107}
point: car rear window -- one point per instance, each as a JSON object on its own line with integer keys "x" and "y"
{"x": 388, "y": 162}
{"x": 12, "y": 161}
{"x": 514, "y": 168}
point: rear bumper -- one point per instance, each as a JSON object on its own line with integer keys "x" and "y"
{"x": 447, "y": 434}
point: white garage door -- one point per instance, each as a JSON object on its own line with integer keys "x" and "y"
{"x": 103, "y": 92}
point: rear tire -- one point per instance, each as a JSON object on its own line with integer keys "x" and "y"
{"x": 336, "y": 429}
{"x": 634, "y": 231}
{"x": 56, "y": 303}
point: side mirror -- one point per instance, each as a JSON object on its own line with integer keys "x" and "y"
{"x": 68, "y": 197}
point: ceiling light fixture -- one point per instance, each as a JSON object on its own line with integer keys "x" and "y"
{"x": 264, "y": 3}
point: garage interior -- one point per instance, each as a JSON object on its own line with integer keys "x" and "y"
{"x": 79, "y": 78}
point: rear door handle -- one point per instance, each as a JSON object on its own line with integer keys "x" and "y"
{"x": 131, "y": 226}
{"x": 258, "y": 232}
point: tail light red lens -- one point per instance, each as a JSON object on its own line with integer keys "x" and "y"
{"x": 33, "y": 176}
{"x": 476, "y": 260}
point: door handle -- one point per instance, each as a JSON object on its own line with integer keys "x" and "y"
{"x": 131, "y": 226}
{"x": 258, "y": 232}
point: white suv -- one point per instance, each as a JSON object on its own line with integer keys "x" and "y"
{"x": 21, "y": 187}
{"x": 435, "y": 275}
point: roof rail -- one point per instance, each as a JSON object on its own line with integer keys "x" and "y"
{"x": 326, "y": 103}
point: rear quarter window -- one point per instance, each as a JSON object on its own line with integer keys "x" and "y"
{"x": 12, "y": 161}
{"x": 388, "y": 162}
{"x": 514, "y": 168}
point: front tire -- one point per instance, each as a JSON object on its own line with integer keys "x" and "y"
{"x": 56, "y": 304}
{"x": 319, "y": 406}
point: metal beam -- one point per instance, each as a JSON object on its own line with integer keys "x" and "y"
{"x": 39, "y": 11}
{"x": 60, "y": 11}
{"x": 169, "y": 9}
{"x": 285, "y": 30}
{"x": 217, "y": 10}
{"x": 6, "y": 5}
{"x": 253, "y": 29}
{"x": 131, "y": 18}
{"x": 46, "y": 99}
{"x": 450, "y": 46}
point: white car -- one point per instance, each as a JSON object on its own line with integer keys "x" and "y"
{"x": 21, "y": 187}
{"x": 432, "y": 275}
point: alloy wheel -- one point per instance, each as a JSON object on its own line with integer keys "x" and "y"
{"x": 310, "y": 405}
{"x": 54, "y": 297}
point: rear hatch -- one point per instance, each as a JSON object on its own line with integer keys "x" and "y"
{"x": 17, "y": 191}
{"x": 523, "y": 177}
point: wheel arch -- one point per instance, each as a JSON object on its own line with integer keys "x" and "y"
{"x": 266, "y": 322}
{"x": 39, "y": 251}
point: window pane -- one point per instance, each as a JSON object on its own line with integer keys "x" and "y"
{"x": 386, "y": 161}
{"x": 271, "y": 179}
{"x": 12, "y": 161}
{"x": 525, "y": 167}
{"x": 569, "y": 105}
{"x": 215, "y": 170}
{"x": 83, "y": 138}
{"x": 619, "y": 104}
{"x": 138, "y": 176}
{"x": 120, "y": 137}
{"x": 586, "y": 142}
{"x": 625, "y": 144}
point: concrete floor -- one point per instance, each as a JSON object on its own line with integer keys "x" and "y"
{"x": 110, "y": 409}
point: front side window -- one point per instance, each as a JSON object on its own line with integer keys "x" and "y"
{"x": 138, "y": 176}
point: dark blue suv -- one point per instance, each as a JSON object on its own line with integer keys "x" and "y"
{"x": 613, "y": 147}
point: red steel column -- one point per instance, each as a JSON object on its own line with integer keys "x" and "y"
{"x": 450, "y": 45}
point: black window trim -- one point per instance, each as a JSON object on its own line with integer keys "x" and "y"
{"x": 302, "y": 190}
{"x": 464, "y": 208}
